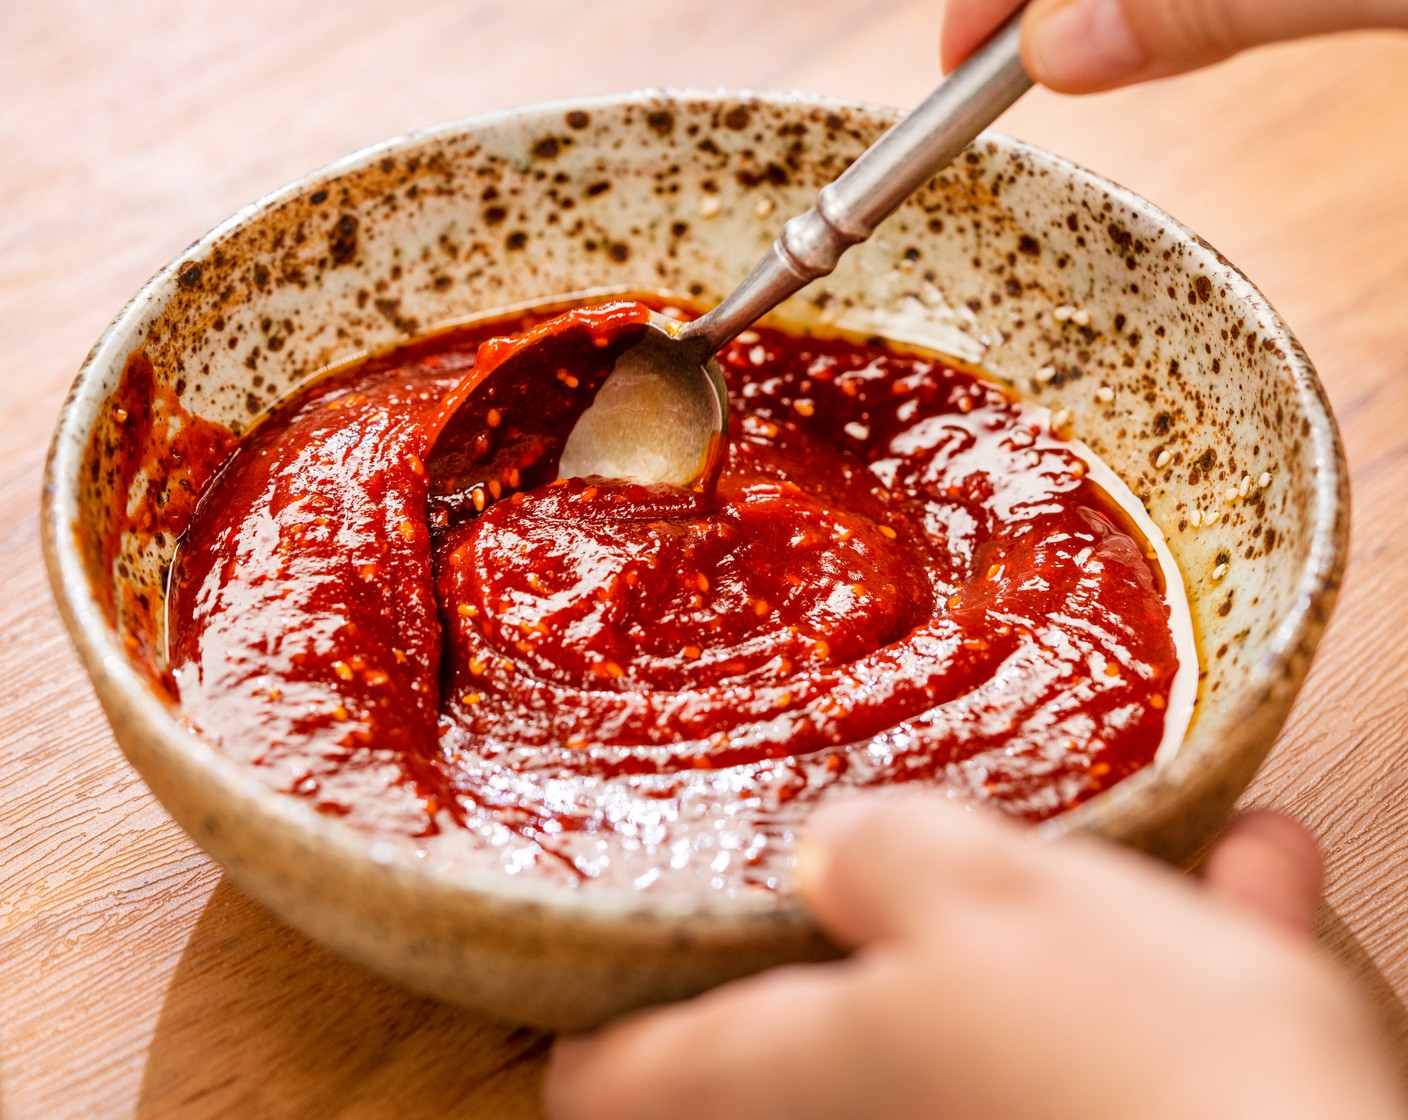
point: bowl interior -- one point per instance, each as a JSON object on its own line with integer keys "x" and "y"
{"x": 1081, "y": 296}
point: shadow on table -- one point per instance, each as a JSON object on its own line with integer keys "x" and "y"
{"x": 260, "y": 1021}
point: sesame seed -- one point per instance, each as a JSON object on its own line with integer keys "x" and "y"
{"x": 1165, "y": 457}
{"x": 1219, "y": 571}
{"x": 1195, "y": 518}
{"x": 1063, "y": 313}
{"x": 1060, "y": 418}
{"x": 757, "y": 355}
{"x": 747, "y": 338}
{"x": 1080, "y": 317}
{"x": 709, "y": 206}
{"x": 342, "y": 669}
{"x": 1105, "y": 394}
{"x": 1230, "y": 494}
{"x": 804, "y": 407}
{"x": 889, "y": 532}
{"x": 471, "y": 698}
{"x": 763, "y": 207}
{"x": 493, "y": 418}
{"x": 479, "y": 500}
{"x": 1045, "y": 374}
{"x": 857, "y": 431}
{"x": 1264, "y": 481}
{"x": 1212, "y": 516}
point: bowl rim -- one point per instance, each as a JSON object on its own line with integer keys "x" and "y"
{"x": 104, "y": 657}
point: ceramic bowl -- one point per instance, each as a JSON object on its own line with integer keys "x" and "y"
{"x": 1078, "y": 293}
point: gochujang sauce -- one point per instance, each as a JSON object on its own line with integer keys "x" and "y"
{"x": 389, "y": 605}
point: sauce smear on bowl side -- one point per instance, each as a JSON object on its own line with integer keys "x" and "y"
{"x": 393, "y": 609}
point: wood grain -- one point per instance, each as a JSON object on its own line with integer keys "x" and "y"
{"x": 136, "y": 981}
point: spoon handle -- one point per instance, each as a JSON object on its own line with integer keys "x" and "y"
{"x": 889, "y": 171}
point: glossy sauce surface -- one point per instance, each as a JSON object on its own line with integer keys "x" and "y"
{"x": 389, "y": 606}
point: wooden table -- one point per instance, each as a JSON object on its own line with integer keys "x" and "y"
{"x": 135, "y": 979}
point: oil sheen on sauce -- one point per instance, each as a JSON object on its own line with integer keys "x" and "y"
{"x": 390, "y": 606}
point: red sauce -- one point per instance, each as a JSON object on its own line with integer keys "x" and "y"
{"x": 147, "y": 464}
{"x": 388, "y": 605}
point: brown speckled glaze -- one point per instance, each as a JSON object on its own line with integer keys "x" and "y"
{"x": 1086, "y": 298}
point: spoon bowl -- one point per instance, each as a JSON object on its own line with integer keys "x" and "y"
{"x": 660, "y": 417}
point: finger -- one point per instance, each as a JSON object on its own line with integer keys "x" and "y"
{"x": 769, "y": 1046}
{"x": 1079, "y": 46}
{"x": 876, "y": 867}
{"x": 966, "y": 24}
{"x": 1270, "y": 866}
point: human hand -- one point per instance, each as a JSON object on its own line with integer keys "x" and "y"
{"x": 1000, "y": 977}
{"x": 1080, "y": 46}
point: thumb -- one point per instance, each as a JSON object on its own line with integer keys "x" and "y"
{"x": 1079, "y": 46}
{"x": 880, "y": 867}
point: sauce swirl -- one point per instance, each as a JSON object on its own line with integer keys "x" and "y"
{"x": 388, "y": 604}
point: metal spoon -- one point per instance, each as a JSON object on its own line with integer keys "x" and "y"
{"x": 661, "y": 414}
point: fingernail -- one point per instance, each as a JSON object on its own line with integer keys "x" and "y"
{"x": 1084, "y": 45}
{"x": 827, "y": 830}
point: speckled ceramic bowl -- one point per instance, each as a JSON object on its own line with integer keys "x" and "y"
{"x": 1171, "y": 363}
